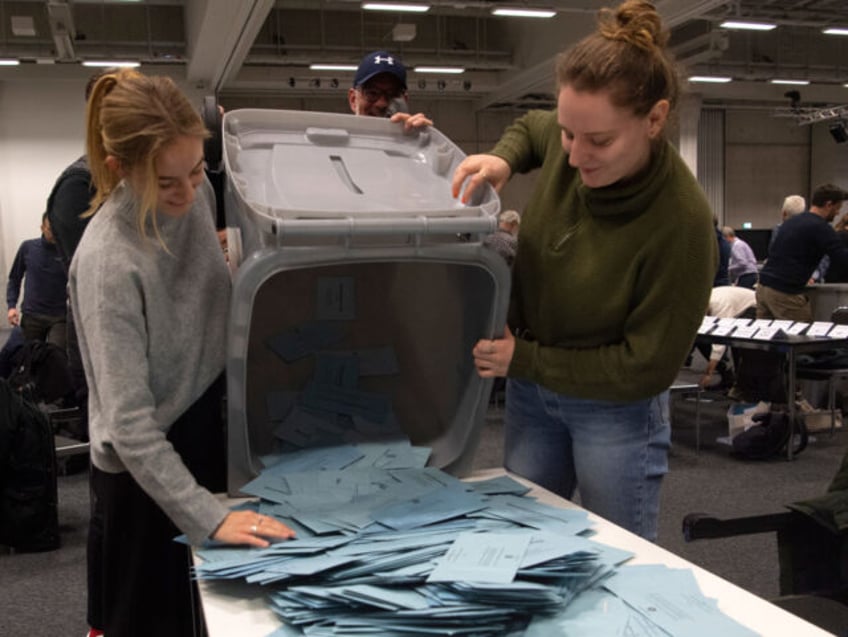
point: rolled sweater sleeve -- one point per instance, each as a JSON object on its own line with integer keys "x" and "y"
{"x": 526, "y": 142}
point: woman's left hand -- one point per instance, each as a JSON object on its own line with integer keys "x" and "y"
{"x": 493, "y": 356}
{"x": 254, "y": 529}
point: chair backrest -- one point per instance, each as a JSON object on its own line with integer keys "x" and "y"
{"x": 840, "y": 315}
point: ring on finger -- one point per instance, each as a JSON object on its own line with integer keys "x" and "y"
{"x": 254, "y": 529}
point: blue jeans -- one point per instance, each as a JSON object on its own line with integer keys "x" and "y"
{"x": 616, "y": 451}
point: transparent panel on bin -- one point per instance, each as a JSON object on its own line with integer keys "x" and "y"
{"x": 342, "y": 351}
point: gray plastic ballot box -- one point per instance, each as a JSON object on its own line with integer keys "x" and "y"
{"x": 360, "y": 287}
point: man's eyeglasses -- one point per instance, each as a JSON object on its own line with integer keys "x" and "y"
{"x": 374, "y": 94}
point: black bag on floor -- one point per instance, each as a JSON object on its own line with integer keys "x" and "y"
{"x": 769, "y": 437}
{"x": 29, "y": 519}
{"x": 41, "y": 373}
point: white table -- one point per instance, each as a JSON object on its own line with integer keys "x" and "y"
{"x": 235, "y": 608}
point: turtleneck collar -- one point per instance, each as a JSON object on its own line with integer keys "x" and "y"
{"x": 633, "y": 196}
{"x": 127, "y": 207}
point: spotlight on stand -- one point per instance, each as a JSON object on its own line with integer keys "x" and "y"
{"x": 794, "y": 99}
{"x": 839, "y": 132}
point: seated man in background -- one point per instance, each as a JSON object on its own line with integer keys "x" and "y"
{"x": 726, "y": 301}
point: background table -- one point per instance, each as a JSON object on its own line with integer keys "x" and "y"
{"x": 236, "y": 608}
{"x": 790, "y": 346}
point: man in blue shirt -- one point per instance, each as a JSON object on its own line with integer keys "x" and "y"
{"x": 742, "y": 267}
{"x": 38, "y": 267}
{"x": 803, "y": 240}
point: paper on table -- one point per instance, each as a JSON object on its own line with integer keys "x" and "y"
{"x": 797, "y": 328}
{"x": 427, "y": 508}
{"x": 723, "y": 330}
{"x": 838, "y": 331}
{"x": 671, "y": 599}
{"x": 819, "y": 328}
{"x": 482, "y": 557}
{"x": 746, "y": 331}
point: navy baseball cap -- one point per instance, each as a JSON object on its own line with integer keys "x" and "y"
{"x": 379, "y": 62}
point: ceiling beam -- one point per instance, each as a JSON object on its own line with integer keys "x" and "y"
{"x": 539, "y": 78}
{"x": 219, "y": 34}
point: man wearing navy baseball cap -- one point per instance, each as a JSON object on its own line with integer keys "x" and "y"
{"x": 379, "y": 90}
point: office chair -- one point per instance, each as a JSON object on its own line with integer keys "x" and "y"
{"x": 812, "y": 544}
{"x": 817, "y": 371}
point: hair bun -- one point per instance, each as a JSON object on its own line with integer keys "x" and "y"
{"x": 635, "y": 22}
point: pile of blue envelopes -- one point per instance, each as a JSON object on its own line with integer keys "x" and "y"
{"x": 387, "y": 546}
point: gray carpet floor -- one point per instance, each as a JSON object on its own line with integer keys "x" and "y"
{"x": 44, "y": 594}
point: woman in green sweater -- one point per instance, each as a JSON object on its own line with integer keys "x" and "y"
{"x": 612, "y": 276}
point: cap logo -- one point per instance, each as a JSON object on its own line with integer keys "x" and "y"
{"x": 388, "y": 60}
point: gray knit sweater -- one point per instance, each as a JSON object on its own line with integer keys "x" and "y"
{"x": 152, "y": 331}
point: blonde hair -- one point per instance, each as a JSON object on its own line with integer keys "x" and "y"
{"x": 628, "y": 56}
{"x": 133, "y": 117}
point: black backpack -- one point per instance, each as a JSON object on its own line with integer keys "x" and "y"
{"x": 29, "y": 519}
{"x": 769, "y": 437}
{"x": 40, "y": 373}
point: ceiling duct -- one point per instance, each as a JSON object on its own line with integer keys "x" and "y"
{"x": 23, "y": 26}
{"x": 62, "y": 29}
{"x": 703, "y": 48}
{"x": 403, "y": 32}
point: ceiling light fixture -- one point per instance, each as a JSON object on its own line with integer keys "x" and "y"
{"x": 835, "y": 31}
{"x": 796, "y": 82}
{"x": 332, "y": 67}
{"x": 715, "y": 79}
{"x": 123, "y": 64}
{"x": 9, "y": 62}
{"x": 750, "y": 26}
{"x": 410, "y": 7}
{"x": 515, "y": 12}
{"x": 439, "y": 69}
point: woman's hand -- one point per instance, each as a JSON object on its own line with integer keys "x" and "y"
{"x": 492, "y": 357}
{"x": 249, "y": 527}
{"x": 478, "y": 169}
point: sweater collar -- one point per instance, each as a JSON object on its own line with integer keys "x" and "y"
{"x": 128, "y": 209}
{"x": 633, "y": 197}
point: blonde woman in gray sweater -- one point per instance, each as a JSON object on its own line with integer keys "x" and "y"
{"x": 151, "y": 291}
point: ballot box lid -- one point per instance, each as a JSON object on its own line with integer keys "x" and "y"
{"x": 336, "y": 345}
{"x": 291, "y": 172}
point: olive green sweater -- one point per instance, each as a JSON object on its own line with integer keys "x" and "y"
{"x": 610, "y": 284}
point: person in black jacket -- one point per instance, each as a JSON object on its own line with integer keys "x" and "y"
{"x": 803, "y": 240}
